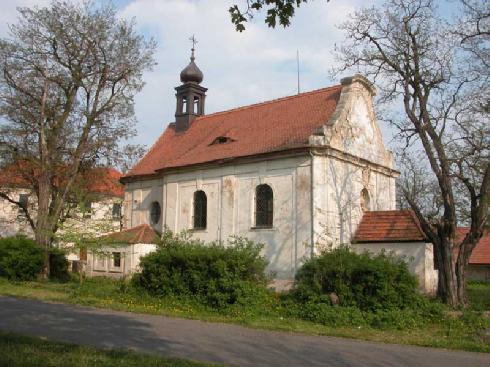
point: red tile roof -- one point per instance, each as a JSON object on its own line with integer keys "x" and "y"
{"x": 139, "y": 234}
{"x": 278, "y": 125}
{"x": 481, "y": 252}
{"x": 403, "y": 226}
{"x": 99, "y": 180}
{"x": 104, "y": 181}
{"x": 389, "y": 226}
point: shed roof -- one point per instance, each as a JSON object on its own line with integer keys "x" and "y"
{"x": 389, "y": 226}
{"x": 139, "y": 234}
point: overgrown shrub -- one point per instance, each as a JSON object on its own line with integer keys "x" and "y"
{"x": 20, "y": 258}
{"x": 217, "y": 274}
{"x": 58, "y": 265}
{"x": 369, "y": 282}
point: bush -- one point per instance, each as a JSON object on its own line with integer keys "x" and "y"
{"x": 216, "y": 274}
{"x": 58, "y": 265}
{"x": 20, "y": 258}
{"x": 369, "y": 282}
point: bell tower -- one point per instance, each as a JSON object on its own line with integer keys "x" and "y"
{"x": 190, "y": 94}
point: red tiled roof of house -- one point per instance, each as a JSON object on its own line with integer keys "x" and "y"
{"x": 139, "y": 234}
{"x": 99, "y": 180}
{"x": 278, "y": 125}
{"x": 104, "y": 181}
{"x": 389, "y": 226}
{"x": 481, "y": 252}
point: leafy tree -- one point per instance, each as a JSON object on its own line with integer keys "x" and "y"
{"x": 69, "y": 73}
{"x": 278, "y": 11}
{"x": 437, "y": 70}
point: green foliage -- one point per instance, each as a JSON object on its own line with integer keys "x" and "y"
{"x": 278, "y": 11}
{"x": 369, "y": 282}
{"x": 58, "y": 265}
{"x": 217, "y": 274}
{"x": 20, "y": 258}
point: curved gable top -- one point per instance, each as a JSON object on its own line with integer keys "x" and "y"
{"x": 353, "y": 127}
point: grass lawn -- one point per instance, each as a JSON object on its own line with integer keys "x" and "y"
{"x": 479, "y": 295}
{"x": 453, "y": 333}
{"x": 21, "y": 351}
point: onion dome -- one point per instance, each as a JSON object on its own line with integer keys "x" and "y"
{"x": 191, "y": 73}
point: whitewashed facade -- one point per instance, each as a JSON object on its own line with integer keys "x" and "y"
{"x": 318, "y": 196}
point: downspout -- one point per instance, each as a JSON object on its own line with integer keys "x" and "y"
{"x": 312, "y": 207}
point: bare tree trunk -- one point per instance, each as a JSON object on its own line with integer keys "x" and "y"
{"x": 43, "y": 232}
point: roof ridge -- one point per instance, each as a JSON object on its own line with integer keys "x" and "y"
{"x": 314, "y": 91}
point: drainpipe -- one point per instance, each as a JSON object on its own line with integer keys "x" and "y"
{"x": 312, "y": 207}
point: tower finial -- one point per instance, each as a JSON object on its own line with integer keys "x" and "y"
{"x": 194, "y": 42}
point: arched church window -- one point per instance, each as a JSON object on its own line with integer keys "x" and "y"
{"x": 200, "y": 209}
{"x": 155, "y": 212}
{"x": 365, "y": 200}
{"x": 264, "y": 206}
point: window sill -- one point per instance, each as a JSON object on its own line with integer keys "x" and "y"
{"x": 198, "y": 230}
{"x": 263, "y": 229}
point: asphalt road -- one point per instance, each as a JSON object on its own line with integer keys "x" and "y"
{"x": 213, "y": 342}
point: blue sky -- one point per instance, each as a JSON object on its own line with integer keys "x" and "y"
{"x": 239, "y": 68}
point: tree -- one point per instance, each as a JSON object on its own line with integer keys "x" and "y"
{"x": 69, "y": 73}
{"x": 277, "y": 11}
{"x": 437, "y": 69}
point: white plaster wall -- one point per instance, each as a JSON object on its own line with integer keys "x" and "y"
{"x": 12, "y": 220}
{"x": 418, "y": 255}
{"x": 130, "y": 260}
{"x": 230, "y": 192}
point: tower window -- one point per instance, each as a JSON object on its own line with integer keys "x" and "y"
{"x": 196, "y": 106}
{"x": 184, "y": 104}
{"x": 200, "y": 210}
{"x": 264, "y": 206}
{"x": 155, "y": 212}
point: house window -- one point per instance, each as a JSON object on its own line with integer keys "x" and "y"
{"x": 116, "y": 259}
{"x": 116, "y": 211}
{"x": 87, "y": 209}
{"x": 23, "y": 201}
{"x": 155, "y": 212}
{"x": 99, "y": 262}
{"x": 365, "y": 200}
{"x": 264, "y": 206}
{"x": 200, "y": 210}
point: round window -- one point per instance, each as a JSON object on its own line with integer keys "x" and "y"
{"x": 155, "y": 212}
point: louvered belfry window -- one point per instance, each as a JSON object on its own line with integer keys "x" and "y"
{"x": 200, "y": 210}
{"x": 264, "y": 206}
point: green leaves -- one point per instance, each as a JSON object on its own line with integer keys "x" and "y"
{"x": 278, "y": 11}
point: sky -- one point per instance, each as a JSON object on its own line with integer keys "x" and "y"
{"x": 256, "y": 65}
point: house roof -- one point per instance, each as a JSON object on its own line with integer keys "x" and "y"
{"x": 139, "y": 234}
{"x": 389, "y": 226}
{"x": 99, "y": 180}
{"x": 481, "y": 252}
{"x": 403, "y": 226}
{"x": 277, "y": 125}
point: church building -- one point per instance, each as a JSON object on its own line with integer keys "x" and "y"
{"x": 295, "y": 173}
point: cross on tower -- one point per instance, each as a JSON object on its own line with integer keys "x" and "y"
{"x": 194, "y": 42}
